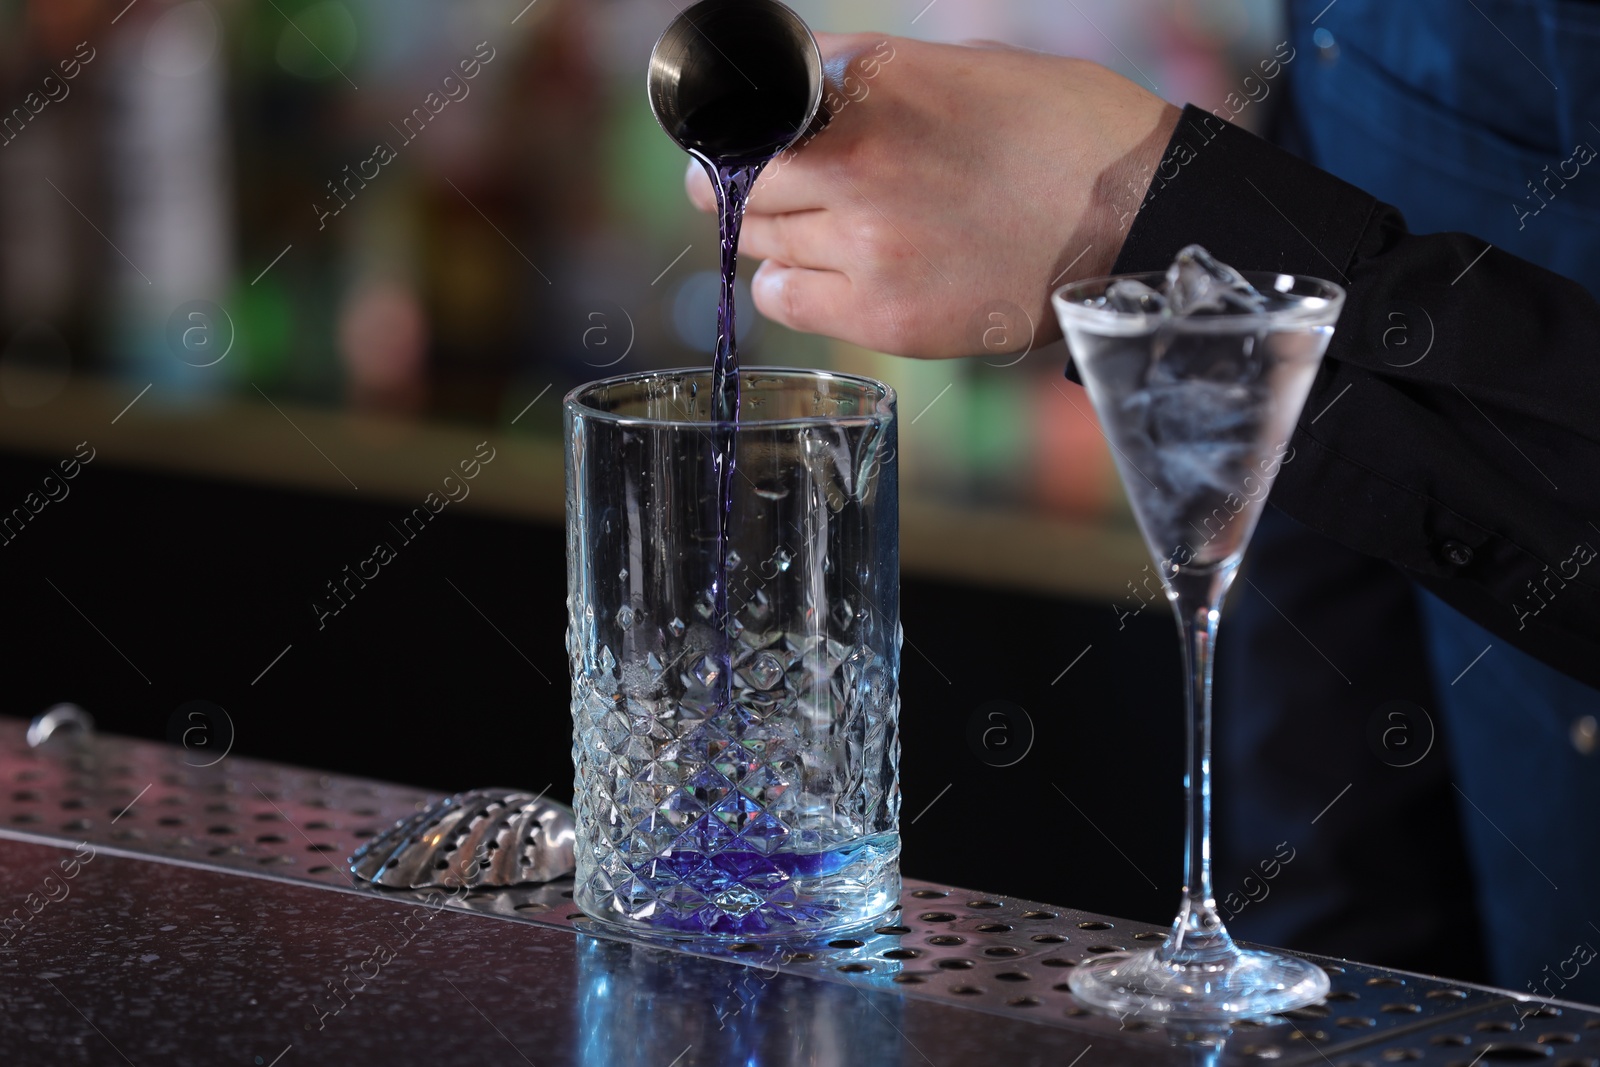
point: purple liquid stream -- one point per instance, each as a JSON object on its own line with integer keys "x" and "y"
{"x": 733, "y": 183}
{"x": 733, "y": 180}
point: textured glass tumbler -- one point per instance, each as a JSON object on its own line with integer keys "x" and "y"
{"x": 735, "y": 699}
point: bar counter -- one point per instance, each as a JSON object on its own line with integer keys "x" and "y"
{"x": 159, "y": 911}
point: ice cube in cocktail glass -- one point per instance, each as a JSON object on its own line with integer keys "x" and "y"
{"x": 737, "y": 752}
{"x": 1198, "y": 378}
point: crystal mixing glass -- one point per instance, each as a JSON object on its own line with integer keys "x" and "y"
{"x": 737, "y": 770}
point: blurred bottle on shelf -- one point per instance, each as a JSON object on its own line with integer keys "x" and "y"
{"x": 170, "y": 197}
{"x": 49, "y": 257}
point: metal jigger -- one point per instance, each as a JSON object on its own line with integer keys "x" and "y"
{"x": 757, "y": 53}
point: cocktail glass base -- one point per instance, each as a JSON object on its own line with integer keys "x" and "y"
{"x": 1247, "y": 982}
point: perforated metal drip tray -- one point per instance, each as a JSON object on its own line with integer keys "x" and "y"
{"x": 968, "y": 950}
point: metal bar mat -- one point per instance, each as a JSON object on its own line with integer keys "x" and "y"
{"x": 970, "y": 950}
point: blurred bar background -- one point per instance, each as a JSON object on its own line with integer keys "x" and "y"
{"x": 530, "y": 232}
{"x": 259, "y": 253}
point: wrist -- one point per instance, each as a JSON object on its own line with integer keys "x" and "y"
{"x": 1120, "y": 191}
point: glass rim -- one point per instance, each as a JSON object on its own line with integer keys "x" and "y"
{"x": 1312, "y": 310}
{"x": 882, "y": 395}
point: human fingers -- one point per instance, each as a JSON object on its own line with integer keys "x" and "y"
{"x": 845, "y": 47}
{"x": 799, "y": 239}
{"x": 698, "y": 184}
{"x": 795, "y": 180}
{"x": 990, "y": 44}
{"x": 789, "y": 184}
{"x": 835, "y": 305}
{"x": 811, "y": 301}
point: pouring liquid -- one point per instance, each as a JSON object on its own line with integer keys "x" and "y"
{"x": 814, "y": 877}
{"x": 733, "y": 138}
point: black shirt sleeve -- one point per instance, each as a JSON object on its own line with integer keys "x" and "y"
{"x": 1454, "y": 428}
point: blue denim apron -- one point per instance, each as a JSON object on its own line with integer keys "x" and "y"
{"x": 1467, "y": 119}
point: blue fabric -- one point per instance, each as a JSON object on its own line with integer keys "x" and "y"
{"x": 1430, "y": 109}
{"x": 1529, "y": 801}
{"x": 1449, "y": 112}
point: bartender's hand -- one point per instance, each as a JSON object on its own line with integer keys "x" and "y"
{"x": 950, "y": 176}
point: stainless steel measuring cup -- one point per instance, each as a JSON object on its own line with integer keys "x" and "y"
{"x": 736, "y": 81}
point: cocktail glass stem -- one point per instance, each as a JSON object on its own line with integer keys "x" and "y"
{"x": 1196, "y": 405}
{"x": 1198, "y": 972}
{"x": 1199, "y": 937}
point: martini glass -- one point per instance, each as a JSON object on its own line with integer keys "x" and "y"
{"x": 1199, "y": 410}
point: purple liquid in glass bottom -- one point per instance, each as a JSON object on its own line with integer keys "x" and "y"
{"x": 701, "y": 893}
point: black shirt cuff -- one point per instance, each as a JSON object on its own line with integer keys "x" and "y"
{"x": 1448, "y": 467}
